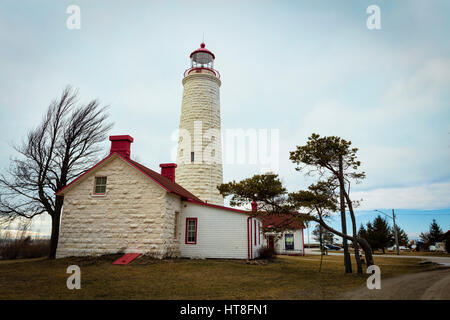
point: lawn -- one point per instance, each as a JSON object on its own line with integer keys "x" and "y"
{"x": 419, "y": 253}
{"x": 146, "y": 278}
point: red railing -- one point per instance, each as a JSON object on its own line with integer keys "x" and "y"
{"x": 199, "y": 70}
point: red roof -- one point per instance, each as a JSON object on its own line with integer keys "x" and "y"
{"x": 281, "y": 221}
{"x": 167, "y": 184}
{"x": 444, "y": 236}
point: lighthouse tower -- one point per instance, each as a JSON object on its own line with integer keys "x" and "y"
{"x": 199, "y": 153}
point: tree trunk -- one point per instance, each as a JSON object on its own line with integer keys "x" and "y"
{"x": 345, "y": 195}
{"x": 347, "y": 259}
{"x": 54, "y": 237}
{"x": 56, "y": 218}
{"x": 362, "y": 242}
{"x": 357, "y": 257}
{"x": 320, "y": 238}
{"x": 367, "y": 251}
{"x": 355, "y": 243}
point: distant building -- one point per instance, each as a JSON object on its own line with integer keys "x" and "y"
{"x": 284, "y": 234}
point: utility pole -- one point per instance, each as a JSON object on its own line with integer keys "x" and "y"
{"x": 395, "y": 228}
{"x": 347, "y": 261}
{"x": 395, "y": 233}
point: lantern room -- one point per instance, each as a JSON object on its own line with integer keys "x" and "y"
{"x": 202, "y": 61}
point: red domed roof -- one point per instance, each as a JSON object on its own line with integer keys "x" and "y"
{"x": 202, "y": 49}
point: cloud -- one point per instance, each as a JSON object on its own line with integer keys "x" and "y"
{"x": 402, "y": 136}
{"x": 426, "y": 197}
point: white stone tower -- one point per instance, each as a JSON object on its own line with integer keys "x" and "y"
{"x": 199, "y": 154}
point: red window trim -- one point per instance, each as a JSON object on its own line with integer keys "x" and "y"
{"x": 186, "y": 232}
{"x": 95, "y": 184}
{"x": 255, "y": 233}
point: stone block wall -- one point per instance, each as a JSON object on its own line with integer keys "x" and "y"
{"x": 131, "y": 217}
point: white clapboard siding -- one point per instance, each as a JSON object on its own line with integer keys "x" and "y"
{"x": 298, "y": 243}
{"x": 221, "y": 233}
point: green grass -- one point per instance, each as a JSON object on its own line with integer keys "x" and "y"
{"x": 419, "y": 253}
{"x": 285, "y": 278}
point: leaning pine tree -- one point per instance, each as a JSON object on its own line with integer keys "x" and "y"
{"x": 335, "y": 162}
{"x": 60, "y": 148}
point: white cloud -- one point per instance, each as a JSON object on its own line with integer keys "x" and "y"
{"x": 402, "y": 137}
{"x": 427, "y": 197}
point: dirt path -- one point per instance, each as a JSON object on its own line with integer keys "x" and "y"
{"x": 429, "y": 285}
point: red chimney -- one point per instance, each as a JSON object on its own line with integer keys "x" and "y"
{"x": 121, "y": 145}
{"x": 168, "y": 170}
{"x": 254, "y": 206}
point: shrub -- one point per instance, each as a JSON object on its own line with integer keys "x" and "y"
{"x": 447, "y": 242}
{"x": 23, "y": 248}
{"x": 266, "y": 253}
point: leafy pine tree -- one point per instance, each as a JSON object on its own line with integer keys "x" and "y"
{"x": 402, "y": 237}
{"x": 327, "y": 236}
{"x": 379, "y": 233}
{"x": 362, "y": 232}
{"x": 433, "y": 235}
{"x": 447, "y": 242}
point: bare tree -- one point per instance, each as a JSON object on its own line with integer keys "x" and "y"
{"x": 58, "y": 150}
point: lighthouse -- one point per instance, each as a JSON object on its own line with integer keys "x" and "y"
{"x": 199, "y": 152}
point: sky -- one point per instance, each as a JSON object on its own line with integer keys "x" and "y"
{"x": 294, "y": 66}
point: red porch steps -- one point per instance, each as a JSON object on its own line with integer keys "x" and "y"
{"x": 127, "y": 258}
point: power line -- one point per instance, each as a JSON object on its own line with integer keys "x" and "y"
{"x": 423, "y": 214}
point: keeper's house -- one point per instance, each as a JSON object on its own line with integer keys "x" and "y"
{"x": 121, "y": 206}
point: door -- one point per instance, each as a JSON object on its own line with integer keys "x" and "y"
{"x": 271, "y": 242}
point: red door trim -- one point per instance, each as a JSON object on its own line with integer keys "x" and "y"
{"x": 249, "y": 238}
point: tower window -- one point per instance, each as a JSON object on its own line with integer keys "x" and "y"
{"x": 192, "y": 156}
{"x": 181, "y": 153}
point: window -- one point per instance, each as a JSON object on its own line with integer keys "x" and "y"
{"x": 289, "y": 241}
{"x": 192, "y": 157}
{"x": 100, "y": 185}
{"x": 175, "y": 225}
{"x": 191, "y": 230}
{"x": 181, "y": 153}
